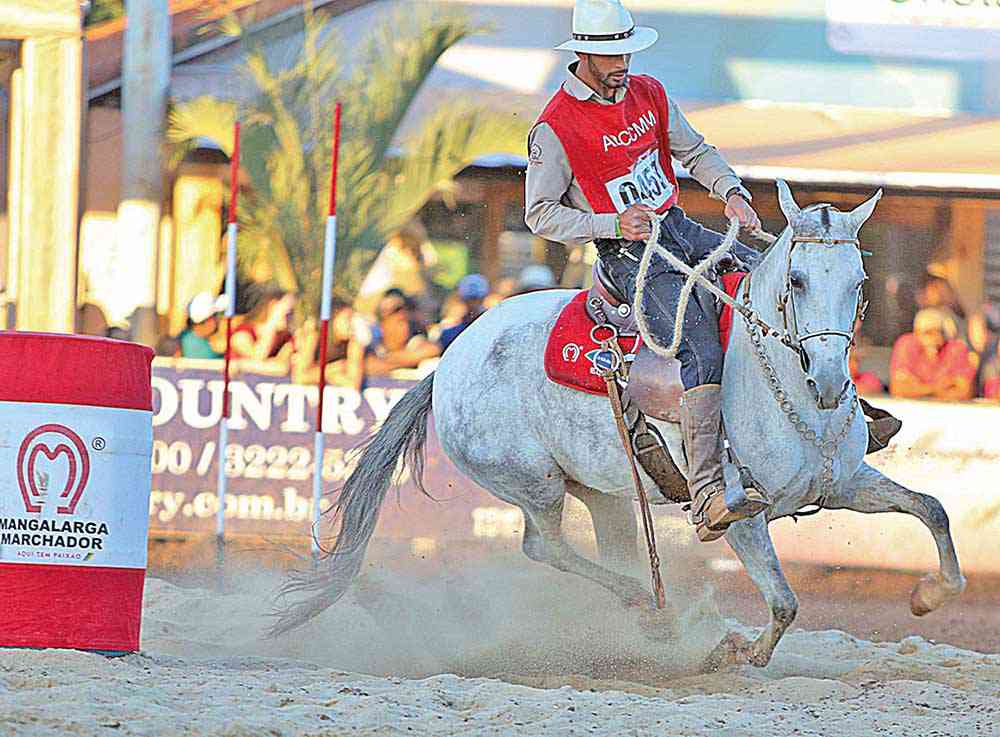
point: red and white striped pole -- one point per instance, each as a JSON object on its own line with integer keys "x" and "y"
{"x": 231, "y": 228}
{"x": 329, "y": 257}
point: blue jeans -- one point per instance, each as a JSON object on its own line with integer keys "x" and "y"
{"x": 699, "y": 353}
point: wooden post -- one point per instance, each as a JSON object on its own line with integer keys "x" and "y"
{"x": 45, "y": 116}
{"x": 145, "y": 80}
{"x": 493, "y": 226}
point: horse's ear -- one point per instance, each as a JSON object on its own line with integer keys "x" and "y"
{"x": 860, "y": 214}
{"x": 787, "y": 202}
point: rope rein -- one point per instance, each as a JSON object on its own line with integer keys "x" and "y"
{"x": 695, "y": 275}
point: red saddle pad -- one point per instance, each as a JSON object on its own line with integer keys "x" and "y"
{"x": 570, "y": 351}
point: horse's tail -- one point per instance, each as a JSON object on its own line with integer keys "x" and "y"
{"x": 402, "y": 436}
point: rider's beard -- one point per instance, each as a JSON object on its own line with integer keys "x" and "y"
{"x": 609, "y": 82}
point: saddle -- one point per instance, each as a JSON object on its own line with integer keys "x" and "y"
{"x": 653, "y": 386}
{"x": 654, "y": 382}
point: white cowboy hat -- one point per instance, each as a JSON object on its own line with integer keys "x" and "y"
{"x": 605, "y": 27}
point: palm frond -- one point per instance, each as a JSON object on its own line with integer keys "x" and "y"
{"x": 448, "y": 142}
{"x": 286, "y": 146}
{"x": 396, "y": 67}
{"x": 203, "y": 117}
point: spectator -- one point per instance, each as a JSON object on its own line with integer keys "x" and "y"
{"x": 168, "y": 346}
{"x": 264, "y": 332}
{"x": 931, "y": 361}
{"x": 503, "y": 289}
{"x": 866, "y": 382}
{"x": 472, "y": 290}
{"x": 203, "y": 321}
{"x": 404, "y": 263}
{"x": 900, "y": 300}
{"x": 534, "y": 278}
{"x": 344, "y": 353}
{"x": 90, "y": 320}
{"x": 398, "y": 340}
{"x": 937, "y": 292}
{"x": 990, "y": 377}
{"x": 983, "y": 327}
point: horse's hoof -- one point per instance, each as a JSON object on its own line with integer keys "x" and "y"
{"x": 736, "y": 650}
{"x": 931, "y": 592}
{"x": 733, "y": 650}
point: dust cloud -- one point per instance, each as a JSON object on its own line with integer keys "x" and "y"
{"x": 506, "y": 619}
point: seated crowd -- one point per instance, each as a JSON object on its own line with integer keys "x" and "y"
{"x": 946, "y": 356}
{"x": 401, "y": 334}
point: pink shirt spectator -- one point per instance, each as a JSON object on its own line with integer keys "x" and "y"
{"x": 934, "y": 371}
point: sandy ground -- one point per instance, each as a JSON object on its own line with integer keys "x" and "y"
{"x": 505, "y": 649}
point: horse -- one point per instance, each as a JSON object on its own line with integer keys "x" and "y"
{"x": 790, "y": 412}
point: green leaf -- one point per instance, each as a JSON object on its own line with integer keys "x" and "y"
{"x": 286, "y": 145}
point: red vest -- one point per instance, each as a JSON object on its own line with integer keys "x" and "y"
{"x": 620, "y": 153}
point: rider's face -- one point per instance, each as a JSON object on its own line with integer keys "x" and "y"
{"x": 609, "y": 71}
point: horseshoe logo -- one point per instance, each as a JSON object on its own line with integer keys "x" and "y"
{"x": 52, "y": 441}
{"x": 571, "y": 352}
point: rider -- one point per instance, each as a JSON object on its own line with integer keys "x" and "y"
{"x": 599, "y": 168}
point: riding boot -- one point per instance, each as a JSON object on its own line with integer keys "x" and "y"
{"x": 701, "y": 426}
{"x": 882, "y": 426}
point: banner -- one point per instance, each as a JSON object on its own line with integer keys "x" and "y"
{"x": 75, "y": 491}
{"x": 929, "y": 29}
{"x": 270, "y": 465}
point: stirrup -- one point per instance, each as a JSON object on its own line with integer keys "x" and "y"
{"x": 715, "y": 501}
{"x": 699, "y": 516}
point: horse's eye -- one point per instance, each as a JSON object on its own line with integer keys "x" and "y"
{"x": 796, "y": 281}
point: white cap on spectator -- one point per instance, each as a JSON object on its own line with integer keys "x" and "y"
{"x": 204, "y": 306}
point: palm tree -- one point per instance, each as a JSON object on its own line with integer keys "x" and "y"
{"x": 383, "y": 180}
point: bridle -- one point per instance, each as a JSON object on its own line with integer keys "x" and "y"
{"x": 828, "y": 442}
{"x": 791, "y": 337}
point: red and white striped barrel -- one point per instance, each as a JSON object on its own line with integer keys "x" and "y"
{"x": 77, "y": 434}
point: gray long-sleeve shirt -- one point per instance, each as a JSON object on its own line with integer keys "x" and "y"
{"x": 555, "y": 206}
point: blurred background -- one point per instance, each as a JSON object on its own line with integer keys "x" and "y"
{"x": 114, "y": 157}
{"x": 115, "y": 136}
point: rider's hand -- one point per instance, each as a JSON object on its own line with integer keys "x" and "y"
{"x": 739, "y": 208}
{"x": 635, "y": 222}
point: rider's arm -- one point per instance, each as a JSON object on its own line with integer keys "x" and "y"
{"x": 545, "y": 184}
{"x": 702, "y": 160}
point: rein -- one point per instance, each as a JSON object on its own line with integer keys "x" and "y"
{"x": 788, "y": 337}
{"x": 757, "y": 328}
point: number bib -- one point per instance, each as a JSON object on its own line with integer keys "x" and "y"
{"x": 645, "y": 183}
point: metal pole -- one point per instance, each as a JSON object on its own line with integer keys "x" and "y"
{"x": 231, "y": 233}
{"x": 329, "y": 257}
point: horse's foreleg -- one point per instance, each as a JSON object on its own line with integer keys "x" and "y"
{"x": 751, "y": 542}
{"x": 615, "y": 526}
{"x": 870, "y": 492}
{"x": 559, "y": 555}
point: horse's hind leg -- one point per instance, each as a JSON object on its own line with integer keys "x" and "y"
{"x": 751, "y": 542}
{"x": 870, "y": 492}
{"x": 615, "y": 527}
{"x": 547, "y": 523}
